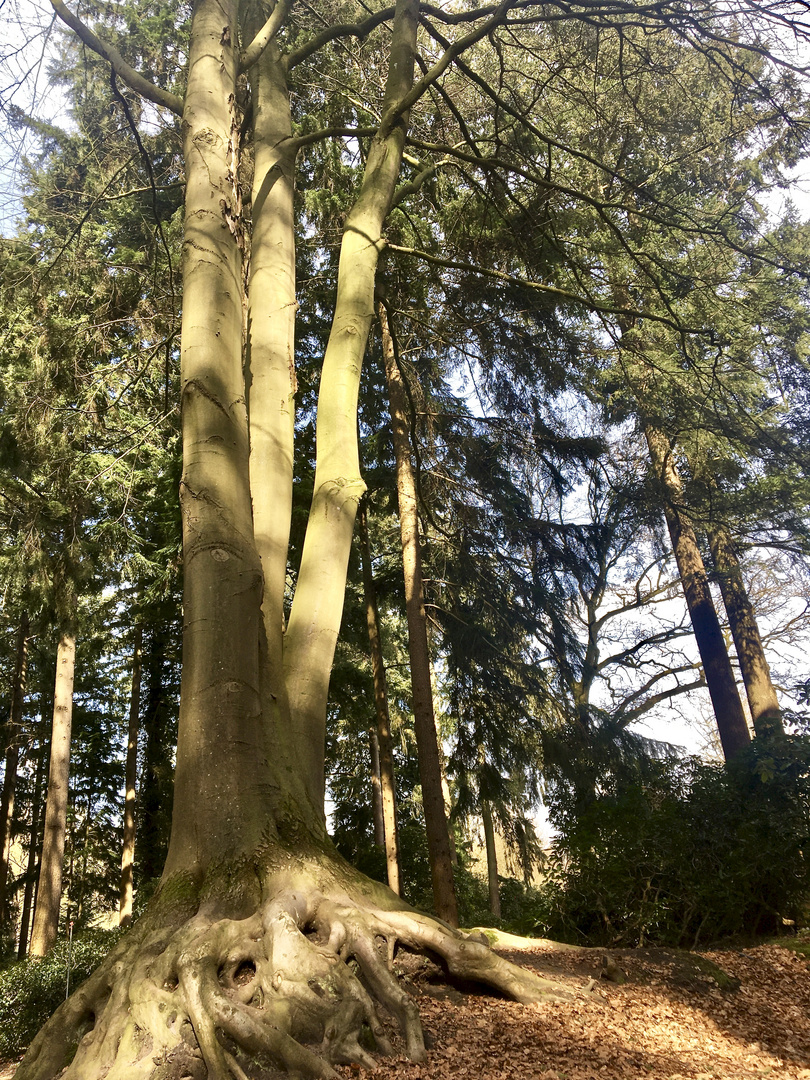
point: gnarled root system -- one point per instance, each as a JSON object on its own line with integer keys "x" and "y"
{"x": 296, "y": 986}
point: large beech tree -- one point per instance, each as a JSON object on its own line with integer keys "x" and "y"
{"x": 241, "y": 955}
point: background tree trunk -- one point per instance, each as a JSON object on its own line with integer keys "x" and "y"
{"x": 492, "y": 860}
{"x": 762, "y": 700}
{"x": 427, "y": 743}
{"x": 12, "y": 760}
{"x": 131, "y": 776}
{"x": 155, "y": 797}
{"x": 33, "y": 851}
{"x": 385, "y": 746}
{"x": 49, "y": 891}
{"x": 376, "y": 790}
{"x": 728, "y": 710}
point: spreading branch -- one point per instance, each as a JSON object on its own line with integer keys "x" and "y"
{"x": 251, "y": 54}
{"x": 553, "y": 290}
{"x": 134, "y": 80}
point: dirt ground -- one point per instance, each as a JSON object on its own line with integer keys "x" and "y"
{"x": 668, "y": 1021}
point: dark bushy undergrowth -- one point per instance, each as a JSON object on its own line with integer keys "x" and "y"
{"x": 683, "y": 852}
{"x": 30, "y": 990}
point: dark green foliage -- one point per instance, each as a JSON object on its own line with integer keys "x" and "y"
{"x": 684, "y": 852}
{"x": 32, "y": 989}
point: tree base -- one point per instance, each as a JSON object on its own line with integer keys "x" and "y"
{"x": 201, "y": 990}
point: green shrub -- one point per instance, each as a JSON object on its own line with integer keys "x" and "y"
{"x": 683, "y": 851}
{"x": 32, "y": 989}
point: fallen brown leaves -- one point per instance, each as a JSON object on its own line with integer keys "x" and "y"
{"x": 666, "y": 1023}
{"x": 662, "y": 1024}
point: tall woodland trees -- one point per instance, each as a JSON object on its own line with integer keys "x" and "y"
{"x": 241, "y": 955}
{"x": 248, "y": 858}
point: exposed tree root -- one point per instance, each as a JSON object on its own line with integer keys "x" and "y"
{"x": 294, "y": 986}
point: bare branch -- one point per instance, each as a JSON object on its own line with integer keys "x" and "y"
{"x": 331, "y": 33}
{"x": 332, "y": 133}
{"x": 134, "y": 80}
{"x": 446, "y": 59}
{"x": 251, "y": 54}
{"x": 538, "y": 286}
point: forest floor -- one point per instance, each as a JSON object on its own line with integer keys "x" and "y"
{"x": 668, "y": 1021}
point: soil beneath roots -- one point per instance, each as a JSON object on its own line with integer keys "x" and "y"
{"x": 668, "y": 1021}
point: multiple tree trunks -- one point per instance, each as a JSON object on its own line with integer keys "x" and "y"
{"x": 762, "y": 701}
{"x": 49, "y": 890}
{"x": 255, "y": 962}
{"x": 427, "y": 743}
{"x": 242, "y": 957}
{"x": 728, "y": 710}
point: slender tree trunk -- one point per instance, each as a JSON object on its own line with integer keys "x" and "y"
{"x": 157, "y": 777}
{"x": 12, "y": 760}
{"x": 49, "y": 892}
{"x": 131, "y": 775}
{"x": 316, "y": 611}
{"x": 270, "y": 368}
{"x": 427, "y": 743}
{"x": 33, "y": 852}
{"x": 376, "y": 791}
{"x": 762, "y": 700}
{"x": 728, "y": 710}
{"x": 492, "y": 860}
{"x": 385, "y": 744}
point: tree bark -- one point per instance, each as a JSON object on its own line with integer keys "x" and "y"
{"x": 762, "y": 701}
{"x": 131, "y": 776}
{"x": 427, "y": 743}
{"x": 318, "y": 604}
{"x": 385, "y": 744}
{"x": 376, "y": 791}
{"x": 12, "y": 759}
{"x": 270, "y": 360}
{"x": 221, "y": 746}
{"x": 492, "y": 860}
{"x": 157, "y": 774}
{"x": 728, "y": 710}
{"x": 49, "y": 891}
{"x": 33, "y": 853}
